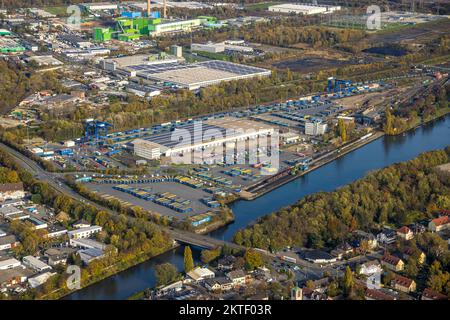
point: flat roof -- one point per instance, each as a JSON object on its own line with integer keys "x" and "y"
{"x": 201, "y": 73}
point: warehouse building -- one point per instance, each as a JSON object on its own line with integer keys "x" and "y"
{"x": 214, "y": 133}
{"x": 303, "y": 8}
{"x": 196, "y": 75}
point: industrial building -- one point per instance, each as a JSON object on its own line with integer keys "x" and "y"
{"x": 213, "y": 133}
{"x": 196, "y": 75}
{"x": 9, "y": 45}
{"x": 226, "y": 46}
{"x": 306, "y": 9}
{"x": 99, "y": 6}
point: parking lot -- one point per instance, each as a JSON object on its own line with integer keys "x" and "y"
{"x": 182, "y": 191}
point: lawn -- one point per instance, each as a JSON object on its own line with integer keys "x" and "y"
{"x": 58, "y": 10}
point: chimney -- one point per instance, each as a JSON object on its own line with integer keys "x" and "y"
{"x": 148, "y": 8}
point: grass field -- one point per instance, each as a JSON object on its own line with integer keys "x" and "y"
{"x": 58, "y": 10}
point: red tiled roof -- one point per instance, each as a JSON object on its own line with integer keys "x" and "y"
{"x": 402, "y": 281}
{"x": 404, "y": 230}
{"x": 433, "y": 295}
{"x": 441, "y": 220}
{"x": 378, "y": 295}
{"x": 390, "y": 259}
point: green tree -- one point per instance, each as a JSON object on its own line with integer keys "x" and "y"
{"x": 389, "y": 124}
{"x": 348, "y": 281}
{"x": 188, "y": 260}
{"x": 166, "y": 273}
{"x": 209, "y": 255}
{"x": 342, "y": 130}
{"x": 253, "y": 259}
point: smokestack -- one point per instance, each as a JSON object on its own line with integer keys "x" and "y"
{"x": 148, "y": 8}
{"x": 165, "y": 10}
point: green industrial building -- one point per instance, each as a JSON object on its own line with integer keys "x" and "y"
{"x": 128, "y": 29}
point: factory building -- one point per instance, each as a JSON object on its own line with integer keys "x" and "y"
{"x": 316, "y": 128}
{"x": 304, "y": 8}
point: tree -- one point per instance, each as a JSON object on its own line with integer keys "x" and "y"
{"x": 188, "y": 260}
{"x": 209, "y": 255}
{"x": 342, "y": 130}
{"x": 166, "y": 273}
{"x": 253, "y": 259}
{"x": 411, "y": 268}
{"x": 348, "y": 281}
{"x": 389, "y": 124}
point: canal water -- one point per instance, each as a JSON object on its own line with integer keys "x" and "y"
{"x": 352, "y": 166}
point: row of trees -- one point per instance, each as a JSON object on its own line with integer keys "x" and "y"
{"x": 434, "y": 102}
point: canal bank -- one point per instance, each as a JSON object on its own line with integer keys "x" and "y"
{"x": 352, "y": 166}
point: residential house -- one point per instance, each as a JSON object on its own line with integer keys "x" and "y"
{"x": 410, "y": 251}
{"x": 403, "y": 284}
{"x": 238, "y": 277}
{"x": 405, "y": 233}
{"x": 429, "y": 294}
{"x": 439, "y": 224}
{"x": 226, "y": 263}
{"x": 392, "y": 262}
{"x": 373, "y": 294}
{"x": 367, "y": 237}
{"x": 219, "y": 284}
{"x": 369, "y": 268}
{"x": 387, "y": 236}
{"x": 309, "y": 294}
{"x": 342, "y": 250}
{"x": 11, "y": 191}
{"x": 200, "y": 274}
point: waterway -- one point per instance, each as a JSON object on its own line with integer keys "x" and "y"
{"x": 350, "y": 167}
